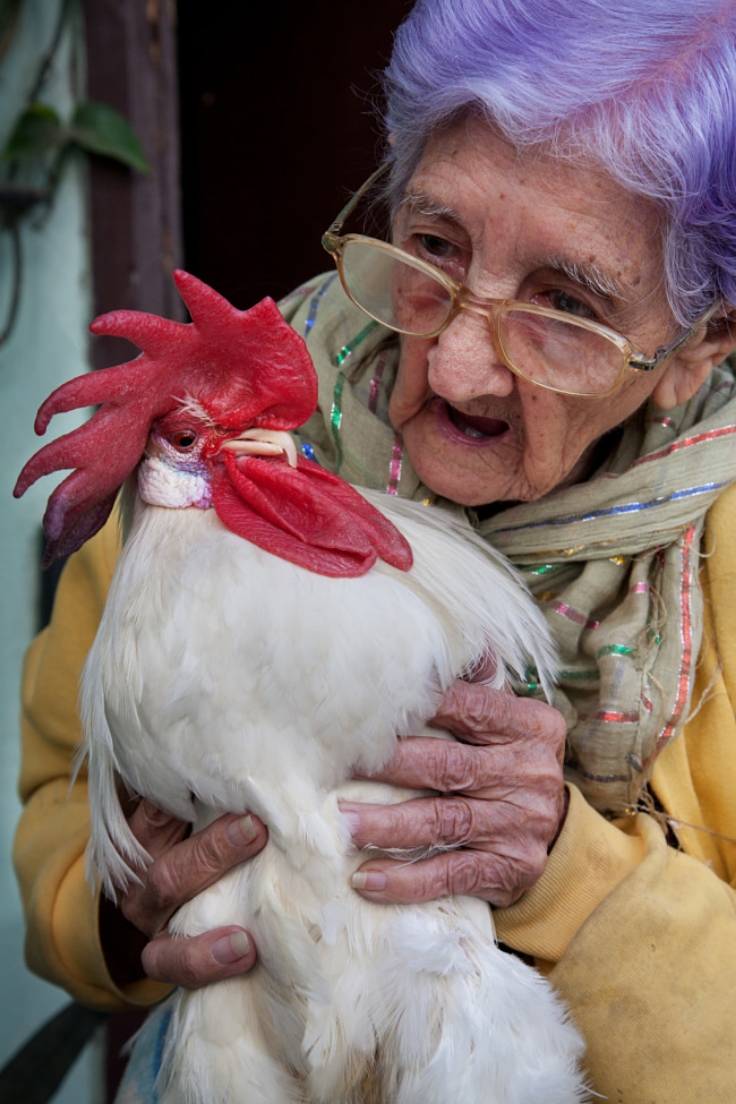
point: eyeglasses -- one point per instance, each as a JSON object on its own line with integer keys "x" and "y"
{"x": 554, "y": 350}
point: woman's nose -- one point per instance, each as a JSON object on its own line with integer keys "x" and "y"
{"x": 464, "y": 362}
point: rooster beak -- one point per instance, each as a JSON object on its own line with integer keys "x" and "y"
{"x": 263, "y": 442}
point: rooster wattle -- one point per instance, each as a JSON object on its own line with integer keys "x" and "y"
{"x": 233, "y": 674}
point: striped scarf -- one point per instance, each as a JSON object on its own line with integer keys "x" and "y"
{"x": 614, "y": 564}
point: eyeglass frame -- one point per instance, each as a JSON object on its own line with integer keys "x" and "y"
{"x": 462, "y": 298}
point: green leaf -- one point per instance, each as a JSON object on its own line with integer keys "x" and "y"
{"x": 38, "y": 130}
{"x": 98, "y": 128}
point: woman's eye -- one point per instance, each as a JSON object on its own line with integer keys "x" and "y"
{"x": 443, "y": 254}
{"x": 433, "y": 247}
{"x": 566, "y": 303}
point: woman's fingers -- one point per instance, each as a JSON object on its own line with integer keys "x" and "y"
{"x": 500, "y": 804}
{"x": 496, "y": 855}
{"x": 499, "y": 879}
{"x": 134, "y": 931}
{"x": 154, "y": 829}
{"x": 447, "y": 821}
{"x": 478, "y": 714}
{"x": 199, "y": 960}
{"x": 497, "y": 770}
{"x": 183, "y": 867}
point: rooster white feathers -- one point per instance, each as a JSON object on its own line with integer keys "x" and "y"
{"x": 233, "y": 674}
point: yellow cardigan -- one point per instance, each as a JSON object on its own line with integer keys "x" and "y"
{"x": 638, "y": 937}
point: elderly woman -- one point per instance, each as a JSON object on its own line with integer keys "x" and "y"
{"x": 542, "y": 343}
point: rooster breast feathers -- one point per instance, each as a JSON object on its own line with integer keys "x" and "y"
{"x": 225, "y": 673}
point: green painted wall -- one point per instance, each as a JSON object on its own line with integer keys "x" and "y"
{"x": 47, "y": 346}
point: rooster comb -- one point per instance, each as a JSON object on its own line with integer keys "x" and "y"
{"x": 244, "y": 368}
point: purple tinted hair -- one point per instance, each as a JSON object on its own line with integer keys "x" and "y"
{"x": 646, "y": 89}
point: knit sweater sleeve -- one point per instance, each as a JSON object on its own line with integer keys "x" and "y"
{"x": 62, "y": 912}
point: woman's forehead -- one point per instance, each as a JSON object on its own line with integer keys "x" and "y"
{"x": 472, "y": 178}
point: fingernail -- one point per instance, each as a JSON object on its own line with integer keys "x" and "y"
{"x": 352, "y": 817}
{"x": 230, "y": 948}
{"x": 371, "y": 879}
{"x": 242, "y": 830}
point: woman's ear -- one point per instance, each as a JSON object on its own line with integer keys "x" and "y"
{"x": 688, "y": 369}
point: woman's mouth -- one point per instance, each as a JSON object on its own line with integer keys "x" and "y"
{"x": 474, "y": 427}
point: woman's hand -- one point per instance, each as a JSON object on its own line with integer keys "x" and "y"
{"x": 134, "y": 934}
{"x": 502, "y": 802}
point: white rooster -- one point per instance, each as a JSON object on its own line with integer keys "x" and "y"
{"x": 234, "y": 674}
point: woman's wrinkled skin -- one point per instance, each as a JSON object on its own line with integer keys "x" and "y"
{"x": 182, "y": 867}
{"x": 514, "y": 226}
{"x": 508, "y": 226}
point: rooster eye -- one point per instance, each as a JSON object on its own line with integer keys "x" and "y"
{"x": 183, "y": 439}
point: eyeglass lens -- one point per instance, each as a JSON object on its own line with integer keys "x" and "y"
{"x": 547, "y": 350}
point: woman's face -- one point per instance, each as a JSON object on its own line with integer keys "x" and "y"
{"x": 526, "y": 227}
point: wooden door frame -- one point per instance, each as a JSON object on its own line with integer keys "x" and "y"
{"x": 135, "y": 223}
{"x": 135, "y": 220}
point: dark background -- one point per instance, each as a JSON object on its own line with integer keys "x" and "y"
{"x": 277, "y": 129}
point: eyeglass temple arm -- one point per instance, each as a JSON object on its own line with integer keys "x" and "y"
{"x": 646, "y": 364}
{"x": 335, "y": 227}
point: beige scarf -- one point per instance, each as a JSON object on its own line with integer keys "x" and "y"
{"x": 613, "y": 562}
